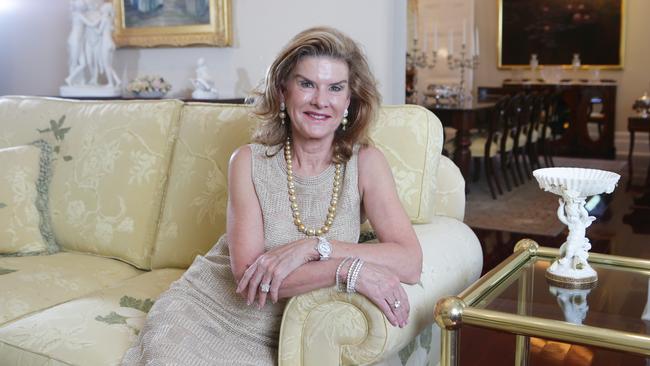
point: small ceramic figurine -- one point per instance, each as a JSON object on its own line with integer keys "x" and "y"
{"x": 575, "y": 250}
{"x": 203, "y": 83}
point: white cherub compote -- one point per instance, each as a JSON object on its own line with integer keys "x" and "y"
{"x": 574, "y": 185}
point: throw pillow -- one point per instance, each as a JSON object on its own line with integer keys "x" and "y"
{"x": 24, "y": 217}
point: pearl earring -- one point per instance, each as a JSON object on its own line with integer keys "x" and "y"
{"x": 283, "y": 115}
{"x": 344, "y": 122}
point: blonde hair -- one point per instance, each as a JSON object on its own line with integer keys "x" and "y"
{"x": 364, "y": 96}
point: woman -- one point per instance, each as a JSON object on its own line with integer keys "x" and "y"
{"x": 296, "y": 199}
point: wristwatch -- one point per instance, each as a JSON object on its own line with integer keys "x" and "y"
{"x": 324, "y": 248}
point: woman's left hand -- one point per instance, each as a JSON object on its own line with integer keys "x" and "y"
{"x": 272, "y": 267}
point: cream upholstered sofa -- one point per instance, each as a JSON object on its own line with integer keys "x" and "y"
{"x": 136, "y": 189}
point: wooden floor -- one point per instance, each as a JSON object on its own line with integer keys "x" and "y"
{"x": 622, "y": 228}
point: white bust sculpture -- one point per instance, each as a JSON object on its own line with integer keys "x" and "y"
{"x": 203, "y": 84}
{"x": 90, "y": 51}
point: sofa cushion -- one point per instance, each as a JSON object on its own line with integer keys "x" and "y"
{"x": 29, "y": 284}
{"x": 24, "y": 216}
{"x": 93, "y": 330}
{"x": 194, "y": 213}
{"x": 411, "y": 139}
{"x": 111, "y": 169}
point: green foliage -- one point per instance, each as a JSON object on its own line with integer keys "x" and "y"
{"x": 112, "y": 318}
{"x": 58, "y": 131}
{"x": 407, "y": 351}
{"x": 3, "y": 205}
{"x": 131, "y": 302}
{"x": 425, "y": 339}
{"x": 4, "y": 271}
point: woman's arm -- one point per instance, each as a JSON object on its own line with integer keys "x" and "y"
{"x": 244, "y": 225}
{"x": 398, "y": 248}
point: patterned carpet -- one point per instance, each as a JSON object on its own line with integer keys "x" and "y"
{"x": 526, "y": 209}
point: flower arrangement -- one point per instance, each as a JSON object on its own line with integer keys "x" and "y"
{"x": 149, "y": 85}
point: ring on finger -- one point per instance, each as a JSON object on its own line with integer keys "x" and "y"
{"x": 265, "y": 287}
{"x": 397, "y": 304}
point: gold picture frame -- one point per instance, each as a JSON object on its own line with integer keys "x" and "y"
{"x": 147, "y": 23}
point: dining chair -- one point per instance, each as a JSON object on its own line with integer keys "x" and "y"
{"x": 485, "y": 147}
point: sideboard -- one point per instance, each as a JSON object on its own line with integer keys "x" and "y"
{"x": 586, "y": 116}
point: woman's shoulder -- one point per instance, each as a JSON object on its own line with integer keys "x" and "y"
{"x": 370, "y": 155}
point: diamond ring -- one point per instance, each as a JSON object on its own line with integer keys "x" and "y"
{"x": 397, "y": 304}
{"x": 265, "y": 287}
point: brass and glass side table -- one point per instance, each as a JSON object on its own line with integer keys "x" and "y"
{"x": 516, "y": 298}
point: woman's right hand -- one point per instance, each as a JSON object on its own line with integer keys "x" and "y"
{"x": 385, "y": 290}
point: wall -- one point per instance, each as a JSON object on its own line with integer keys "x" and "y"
{"x": 33, "y": 35}
{"x": 632, "y": 80}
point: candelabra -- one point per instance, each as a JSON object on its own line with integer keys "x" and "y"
{"x": 417, "y": 58}
{"x": 462, "y": 62}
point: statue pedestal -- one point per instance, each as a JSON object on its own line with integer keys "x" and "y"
{"x": 205, "y": 95}
{"x": 99, "y": 91}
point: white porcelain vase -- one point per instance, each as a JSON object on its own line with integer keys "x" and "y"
{"x": 574, "y": 185}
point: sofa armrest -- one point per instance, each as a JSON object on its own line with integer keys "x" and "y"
{"x": 449, "y": 197}
{"x": 326, "y": 327}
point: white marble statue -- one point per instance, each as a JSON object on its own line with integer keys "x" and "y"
{"x": 203, "y": 84}
{"x": 90, "y": 51}
{"x": 107, "y": 45}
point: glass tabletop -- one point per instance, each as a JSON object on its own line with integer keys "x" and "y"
{"x": 620, "y": 300}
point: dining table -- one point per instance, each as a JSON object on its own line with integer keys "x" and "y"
{"x": 464, "y": 117}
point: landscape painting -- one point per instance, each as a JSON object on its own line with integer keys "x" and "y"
{"x": 152, "y": 23}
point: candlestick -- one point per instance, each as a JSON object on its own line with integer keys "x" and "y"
{"x": 462, "y": 62}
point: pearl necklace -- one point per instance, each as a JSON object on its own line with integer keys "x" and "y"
{"x": 331, "y": 211}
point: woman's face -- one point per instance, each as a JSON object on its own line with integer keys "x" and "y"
{"x": 316, "y": 95}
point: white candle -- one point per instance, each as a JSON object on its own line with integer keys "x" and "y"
{"x": 435, "y": 37}
{"x": 425, "y": 44}
{"x": 476, "y": 44}
{"x": 451, "y": 42}
{"x": 465, "y": 32}
{"x": 415, "y": 27}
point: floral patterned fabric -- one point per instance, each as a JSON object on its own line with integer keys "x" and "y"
{"x": 19, "y": 216}
{"x": 35, "y": 283}
{"x": 194, "y": 214}
{"x": 111, "y": 158}
{"x": 411, "y": 139}
{"x": 93, "y": 330}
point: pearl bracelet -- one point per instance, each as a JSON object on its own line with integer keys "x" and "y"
{"x": 353, "y": 266}
{"x": 338, "y": 273}
{"x": 352, "y": 280}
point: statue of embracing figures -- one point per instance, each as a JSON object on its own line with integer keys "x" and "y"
{"x": 91, "y": 50}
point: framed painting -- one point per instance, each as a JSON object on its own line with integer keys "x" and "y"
{"x": 152, "y": 23}
{"x": 555, "y": 30}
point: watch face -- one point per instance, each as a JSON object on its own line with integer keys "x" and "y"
{"x": 324, "y": 247}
